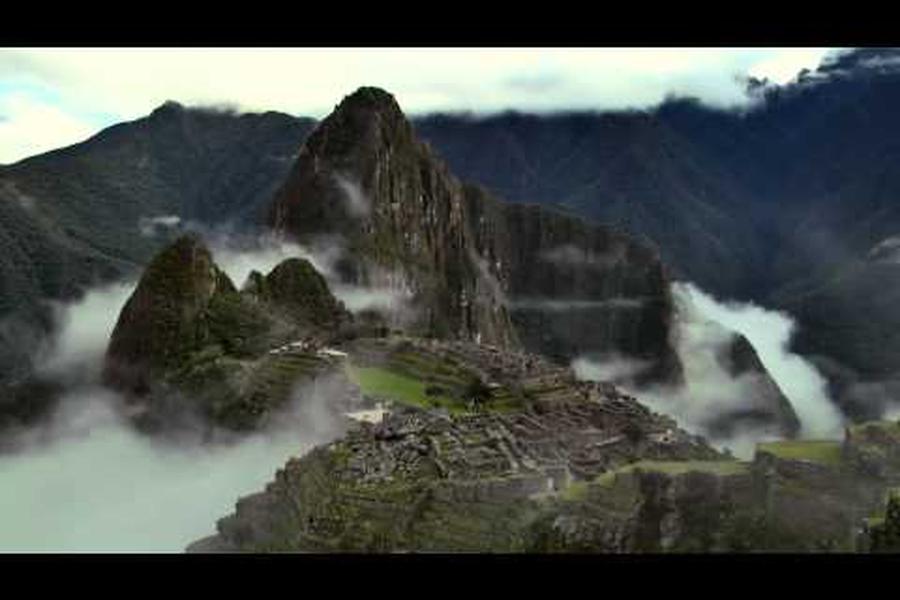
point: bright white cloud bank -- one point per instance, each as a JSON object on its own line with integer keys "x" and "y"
{"x": 704, "y": 327}
{"x": 88, "y": 482}
{"x": 770, "y": 333}
{"x": 96, "y": 87}
{"x": 29, "y": 126}
{"x": 101, "y": 487}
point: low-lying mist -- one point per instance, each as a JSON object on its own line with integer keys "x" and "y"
{"x": 97, "y": 485}
{"x": 86, "y": 480}
{"x": 703, "y": 329}
{"x": 770, "y": 333}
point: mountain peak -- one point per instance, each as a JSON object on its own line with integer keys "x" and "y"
{"x": 366, "y": 120}
{"x": 168, "y": 108}
{"x": 156, "y": 328}
{"x": 370, "y": 99}
{"x": 453, "y": 252}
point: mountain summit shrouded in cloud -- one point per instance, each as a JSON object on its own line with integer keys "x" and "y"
{"x": 54, "y": 97}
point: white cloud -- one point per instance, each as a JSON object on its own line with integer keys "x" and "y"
{"x": 151, "y": 226}
{"x": 96, "y": 485}
{"x": 86, "y": 481}
{"x": 704, "y": 329}
{"x": 83, "y": 328}
{"x": 785, "y": 63}
{"x": 123, "y": 84}
{"x": 770, "y": 334}
{"x": 31, "y": 127}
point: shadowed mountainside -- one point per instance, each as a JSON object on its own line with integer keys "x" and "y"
{"x": 477, "y": 268}
{"x": 790, "y": 204}
{"x": 77, "y": 216}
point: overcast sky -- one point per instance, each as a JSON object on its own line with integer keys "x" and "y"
{"x": 56, "y": 97}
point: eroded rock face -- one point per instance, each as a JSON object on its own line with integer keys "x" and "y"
{"x": 478, "y": 269}
{"x": 364, "y": 178}
{"x": 188, "y": 344}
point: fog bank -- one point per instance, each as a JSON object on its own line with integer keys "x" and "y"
{"x": 99, "y": 486}
{"x": 770, "y": 333}
{"x": 86, "y": 481}
{"x": 703, "y": 330}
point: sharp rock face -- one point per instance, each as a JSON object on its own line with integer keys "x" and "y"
{"x": 474, "y": 265}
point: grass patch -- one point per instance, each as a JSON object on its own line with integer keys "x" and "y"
{"x": 680, "y": 467}
{"x": 380, "y": 382}
{"x": 822, "y": 451}
{"x": 607, "y": 479}
{"x": 406, "y": 375}
{"x": 873, "y": 522}
{"x": 439, "y": 371}
{"x": 575, "y": 491}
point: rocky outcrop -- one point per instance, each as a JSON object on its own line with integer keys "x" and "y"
{"x": 422, "y": 482}
{"x": 479, "y": 479}
{"x": 161, "y": 324}
{"x": 550, "y": 464}
{"x": 189, "y": 344}
{"x": 764, "y": 406}
{"x": 75, "y": 217}
{"x": 651, "y": 506}
{"x": 299, "y": 293}
{"x": 362, "y": 176}
{"x": 568, "y": 477}
{"x": 478, "y": 269}
{"x": 884, "y": 532}
{"x": 873, "y": 448}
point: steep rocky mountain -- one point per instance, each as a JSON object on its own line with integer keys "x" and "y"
{"x": 97, "y": 210}
{"x": 476, "y": 268}
{"x": 188, "y": 343}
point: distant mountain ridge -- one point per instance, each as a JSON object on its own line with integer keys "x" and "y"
{"x": 783, "y": 204}
{"x": 77, "y": 216}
